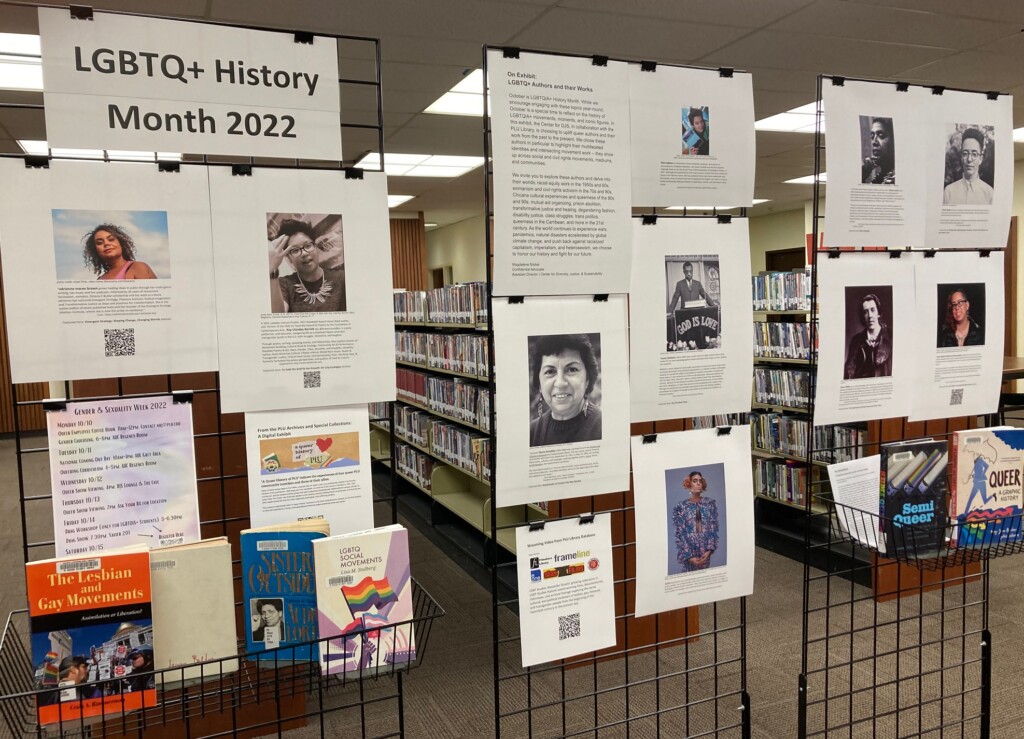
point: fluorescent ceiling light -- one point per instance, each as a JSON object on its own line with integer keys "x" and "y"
{"x": 21, "y": 66}
{"x": 421, "y": 165}
{"x": 1018, "y": 135}
{"x": 41, "y": 148}
{"x": 465, "y": 98}
{"x": 429, "y": 225}
{"x": 394, "y": 200}
{"x": 797, "y": 120}
{"x": 807, "y": 180}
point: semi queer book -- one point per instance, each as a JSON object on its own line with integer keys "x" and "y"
{"x": 279, "y": 591}
{"x": 193, "y": 579}
{"x": 913, "y": 494}
{"x": 92, "y": 635}
{"x": 364, "y": 589}
{"x": 988, "y": 496}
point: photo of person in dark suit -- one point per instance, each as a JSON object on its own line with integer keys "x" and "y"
{"x": 688, "y": 290}
{"x": 693, "y": 318}
{"x": 869, "y": 351}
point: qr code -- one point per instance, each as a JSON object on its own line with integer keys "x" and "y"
{"x": 119, "y": 342}
{"x": 311, "y": 379}
{"x": 569, "y": 626}
{"x": 957, "y": 396}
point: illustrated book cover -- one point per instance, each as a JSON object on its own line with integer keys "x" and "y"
{"x": 913, "y": 493}
{"x": 987, "y": 493}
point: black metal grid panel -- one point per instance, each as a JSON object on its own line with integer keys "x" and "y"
{"x": 666, "y": 676}
{"x": 232, "y": 704}
{"x": 890, "y": 647}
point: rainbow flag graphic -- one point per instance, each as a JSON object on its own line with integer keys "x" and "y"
{"x": 368, "y": 593}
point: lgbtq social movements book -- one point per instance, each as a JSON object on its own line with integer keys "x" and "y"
{"x": 92, "y": 635}
{"x": 988, "y": 496}
{"x": 363, "y": 589}
{"x": 278, "y": 590}
{"x": 913, "y": 497}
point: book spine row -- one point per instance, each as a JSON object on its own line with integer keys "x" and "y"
{"x": 839, "y": 443}
{"x": 464, "y": 401}
{"x": 780, "y": 434}
{"x": 414, "y": 465}
{"x": 782, "y": 290}
{"x": 463, "y": 353}
{"x": 791, "y": 388}
{"x": 409, "y": 306}
{"x": 459, "y": 447}
{"x": 380, "y": 415}
{"x": 781, "y": 480}
{"x": 410, "y": 347}
{"x": 412, "y": 425}
{"x": 460, "y": 304}
{"x": 777, "y": 340}
{"x": 722, "y": 419}
{"x": 411, "y": 385}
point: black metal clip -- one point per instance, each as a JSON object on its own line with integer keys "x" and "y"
{"x": 929, "y": 254}
{"x": 724, "y": 218}
{"x": 599, "y": 60}
{"x": 725, "y": 71}
{"x": 241, "y": 170}
{"x": 648, "y": 66}
{"x": 834, "y": 252}
{"x": 723, "y": 430}
{"x": 985, "y": 253}
{"x": 303, "y": 37}
{"x": 895, "y": 253}
{"x": 353, "y": 173}
{"x": 902, "y": 86}
{"x": 37, "y": 162}
{"x": 81, "y": 12}
{"x": 168, "y": 166}
{"x": 537, "y": 525}
{"x": 586, "y": 518}
{"x": 510, "y": 52}
{"x": 601, "y": 298}
{"x": 992, "y": 94}
{"x": 650, "y": 439}
{"x": 938, "y": 89}
{"x": 648, "y": 220}
{"x": 55, "y": 404}
{"x": 838, "y": 81}
{"x": 515, "y": 299}
{"x": 182, "y": 396}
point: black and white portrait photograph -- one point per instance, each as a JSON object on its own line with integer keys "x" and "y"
{"x": 868, "y": 332}
{"x": 877, "y": 151}
{"x": 970, "y": 164}
{"x": 693, "y": 288}
{"x": 565, "y": 388}
{"x": 961, "y": 314}
{"x": 307, "y": 263}
{"x": 267, "y": 619}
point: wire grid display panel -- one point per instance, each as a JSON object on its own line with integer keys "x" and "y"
{"x": 680, "y": 673}
{"x": 907, "y": 660}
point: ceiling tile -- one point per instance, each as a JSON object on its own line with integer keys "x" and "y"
{"x": 22, "y": 123}
{"x": 996, "y": 10}
{"x": 435, "y": 78}
{"x": 770, "y": 102}
{"x": 735, "y": 12}
{"x": 971, "y": 70}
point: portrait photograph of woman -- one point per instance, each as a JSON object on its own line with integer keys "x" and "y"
{"x": 961, "y": 315}
{"x": 306, "y": 253}
{"x": 565, "y": 388}
{"x": 110, "y": 245}
{"x": 695, "y": 504}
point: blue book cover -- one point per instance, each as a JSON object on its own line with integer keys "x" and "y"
{"x": 279, "y": 591}
{"x": 988, "y": 499}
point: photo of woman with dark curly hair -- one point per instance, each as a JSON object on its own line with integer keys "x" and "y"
{"x": 95, "y": 245}
{"x": 110, "y": 252}
{"x": 565, "y": 370}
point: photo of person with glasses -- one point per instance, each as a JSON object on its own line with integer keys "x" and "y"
{"x": 307, "y": 269}
{"x": 973, "y": 159}
{"x": 961, "y": 315}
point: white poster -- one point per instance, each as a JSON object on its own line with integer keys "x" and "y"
{"x": 147, "y": 84}
{"x": 961, "y": 314}
{"x": 108, "y": 270}
{"x": 855, "y": 487}
{"x": 867, "y": 367}
{"x": 692, "y": 137}
{"x": 694, "y": 518}
{"x": 123, "y": 473}
{"x": 970, "y": 171}
{"x": 312, "y": 463}
{"x": 691, "y": 342}
{"x": 563, "y": 399}
{"x": 876, "y": 164}
{"x": 566, "y": 588}
{"x": 303, "y": 289}
{"x": 560, "y": 136}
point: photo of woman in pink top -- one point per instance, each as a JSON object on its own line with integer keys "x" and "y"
{"x": 110, "y": 252}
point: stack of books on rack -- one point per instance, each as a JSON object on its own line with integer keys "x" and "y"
{"x": 777, "y": 340}
{"x": 380, "y": 414}
{"x": 777, "y": 433}
{"x": 463, "y": 353}
{"x": 460, "y": 304}
{"x": 461, "y": 400}
{"x": 412, "y": 385}
{"x": 784, "y": 480}
{"x": 722, "y": 419}
{"x": 411, "y": 347}
{"x": 458, "y": 446}
{"x": 409, "y": 306}
{"x": 787, "y": 387}
{"x": 412, "y": 425}
{"x": 415, "y": 465}
{"x": 838, "y": 443}
{"x": 780, "y": 291}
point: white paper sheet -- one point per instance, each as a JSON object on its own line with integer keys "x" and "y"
{"x": 692, "y": 551}
{"x": 123, "y": 473}
{"x": 855, "y": 490}
{"x": 876, "y": 164}
{"x": 688, "y": 361}
{"x": 960, "y": 313}
{"x": 289, "y": 342}
{"x": 65, "y": 323}
{"x": 312, "y": 463}
{"x": 970, "y": 171}
{"x": 692, "y": 137}
{"x": 563, "y": 398}
{"x": 566, "y": 589}
{"x": 867, "y": 367}
{"x": 560, "y": 135}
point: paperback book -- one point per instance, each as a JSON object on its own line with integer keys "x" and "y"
{"x": 987, "y": 492}
{"x": 278, "y": 591}
{"x": 363, "y": 590}
{"x": 92, "y": 635}
{"x": 913, "y": 497}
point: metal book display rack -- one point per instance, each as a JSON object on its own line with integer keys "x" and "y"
{"x": 231, "y": 696}
{"x": 895, "y": 644}
{"x": 680, "y": 673}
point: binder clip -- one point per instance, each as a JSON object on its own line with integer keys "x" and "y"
{"x": 650, "y": 438}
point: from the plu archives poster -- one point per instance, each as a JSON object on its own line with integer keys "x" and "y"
{"x": 563, "y": 400}
{"x": 108, "y": 270}
{"x": 560, "y": 133}
{"x": 692, "y": 137}
{"x": 303, "y": 289}
{"x": 694, "y": 518}
{"x": 311, "y": 462}
{"x": 691, "y": 342}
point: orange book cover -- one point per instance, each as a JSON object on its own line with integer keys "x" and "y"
{"x": 92, "y": 635}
